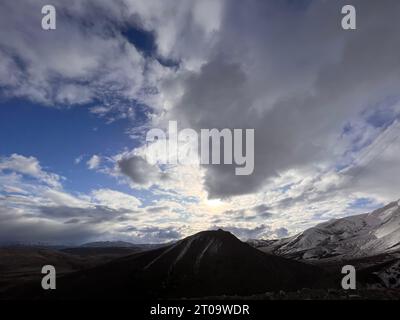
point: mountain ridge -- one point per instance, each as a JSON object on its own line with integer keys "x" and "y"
{"x": 355, "y": 236}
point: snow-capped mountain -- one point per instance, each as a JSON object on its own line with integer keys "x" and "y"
{"x": 357, "y": 236}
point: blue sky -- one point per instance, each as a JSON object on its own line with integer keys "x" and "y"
{"x": 76, "y": 103}
{"x": 59, "y": 136}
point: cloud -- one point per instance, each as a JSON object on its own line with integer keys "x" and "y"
{"x": 246, "y": 233}
{"x": 38, "y": 210}
{"x": 140, "y": 171}
{"x": 157, "y": 209}
{"x": 151, "y": 233}
{"x": 252, "y": 213}
{"x": 17, "y": 228}
{"x": 60, "y": 198}
{"x": 89, "y": 215}
{"x": 33, "y": 211}
{"x": 78, "y": 160}
{"x": 115, "y": 199}
{"x": 29, "y": 166}
{"x": 281, "y": 232}
{"x": 75, "y": 219}
{"x": 86, "y": 59}
{"x": 297, "y": 105}
{"x": 261, "y": 208}
{"x": 94, "y": 162}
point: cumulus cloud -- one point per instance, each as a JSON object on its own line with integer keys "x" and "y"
{"x": 140, "y": 171}
{"x": 29, "y": 166}
{"x": 86, "y": 59}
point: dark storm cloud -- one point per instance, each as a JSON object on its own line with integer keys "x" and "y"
{"x": 14, "y": 228}
{"x": 296, "y": 78}
{"x": 95, "y": 214}
{"x": 140, "y": 171}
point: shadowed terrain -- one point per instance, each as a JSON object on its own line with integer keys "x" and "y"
{"x": 205, "y": 264}
{"x": 23, "y": 264}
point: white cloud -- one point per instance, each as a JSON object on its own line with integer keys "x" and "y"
{"x": 94, "y": 162}
{"x": 48, "y": 213}
{"x": 29, "y": 166}
{"x": 78, "y": 160}
{"x": 78, "y": 62}
{"x": 61, "y": 198}
{"x": 115, "y": 199}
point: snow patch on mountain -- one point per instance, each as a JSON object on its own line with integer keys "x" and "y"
{"x": 350, "y": 237}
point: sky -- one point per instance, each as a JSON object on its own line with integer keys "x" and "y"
{"x": 76, "y": 104}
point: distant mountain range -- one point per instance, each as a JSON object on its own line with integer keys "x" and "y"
{"x": 123, "y": 244}
{"x": 109, "y": 244}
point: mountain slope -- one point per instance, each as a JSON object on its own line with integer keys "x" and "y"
{"x": 205, "y": 264}
{"x": 357, "y": 236}
{"x": 21, "y": 264}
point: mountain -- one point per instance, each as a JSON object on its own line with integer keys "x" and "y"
{"x": 353, "y": 237}
{"x": 109, "y": 249}
{"x": 32, "y": 244}
{"x": 109, "y": 244}
{"x": 208, "y": 263}
{"x": 122, "y": 244}
{"x": 258, "y": 243}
